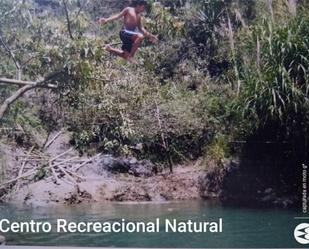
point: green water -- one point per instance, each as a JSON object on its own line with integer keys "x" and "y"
{"x": 242, "y": 227}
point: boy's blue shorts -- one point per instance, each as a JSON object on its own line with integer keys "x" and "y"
{"x": 126, "y": 38}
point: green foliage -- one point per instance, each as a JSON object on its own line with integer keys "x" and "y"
{"x": 205, "y": 28}
{"x": 161, "y": 21}
{"x": 275, "y": 86}
{"x": 130, "y": 118}
{"x": 217, "y": 151}
{"x": 181, "y": 99}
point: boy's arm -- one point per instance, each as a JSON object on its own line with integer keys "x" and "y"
{"x": 147, "y": 34}
{"x": 112, "y": 18}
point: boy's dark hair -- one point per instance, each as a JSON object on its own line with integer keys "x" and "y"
{"x": 136, "y": 3}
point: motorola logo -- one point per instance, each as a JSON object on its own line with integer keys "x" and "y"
{"x": 301, "y": 233}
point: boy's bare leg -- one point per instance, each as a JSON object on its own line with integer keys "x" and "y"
{"x": 132, "y": 60}
{"x": 136, "y": 44}
{"x": 115, "y": 51}
{"x": 123, "y": 54}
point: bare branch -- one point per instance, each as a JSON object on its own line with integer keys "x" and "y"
{"x": 24, "y": 83}
{"x": 28, "y": 86}
{"x": 12, "y": 55}
{"x": 22, "y": 168}
{"x": 164, "y": 140}
{"x": 66, "y": 174}
{"x": 61, "y": 155}
{"x": 87, "y": 162}
{"x": 29, "y": 60}
{"x": 49, "y": 143}
{"x": 81, "y": 8}
{"x": 10, "y": 52}
{"x": 25, "y": 175}
{"x": 68, "y": 18}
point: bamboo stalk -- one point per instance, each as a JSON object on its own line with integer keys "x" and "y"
{"x": 86, "y": 162}
{"x": 66, "y": 174}
{"x": 29, "y": 173}
{"x": 52, "y": 140}
{"x": 22, "y": 83}
{"x": 61, "y": 155}
{"x": 65, "y": 161}
{"x": 76, "y": 175}
{"x": 22, "y": 168}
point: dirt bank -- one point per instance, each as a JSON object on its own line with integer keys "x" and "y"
{"x": 72, "y": 179}
{"x": 181, "y": 185}
{"x": 105, "y": 178}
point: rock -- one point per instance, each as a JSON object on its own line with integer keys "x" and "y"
{"x": 128, "y": 165}
{"x": 131, "y": 193}
{"x": 114, "y": 165}
{"x": 268, "y": 191}
{"x": 269, "y": 198}
{"x": 285, "y": 202}
{"x": 142, "y": 168}
{"x": 77, "y": 196}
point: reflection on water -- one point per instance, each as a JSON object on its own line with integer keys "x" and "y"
{"x": 242, "y": 227}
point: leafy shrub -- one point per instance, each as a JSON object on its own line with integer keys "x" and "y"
{"x": 217, "y": 151}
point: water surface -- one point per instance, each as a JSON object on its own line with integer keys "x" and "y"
{"x": 243, "y": 227}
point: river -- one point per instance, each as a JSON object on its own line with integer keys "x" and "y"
{"x": 243, "y": 227}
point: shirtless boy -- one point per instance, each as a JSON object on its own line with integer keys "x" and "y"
{"x": 133, "y": 31}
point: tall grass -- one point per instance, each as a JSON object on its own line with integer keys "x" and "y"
{"x": 275, "y": 89}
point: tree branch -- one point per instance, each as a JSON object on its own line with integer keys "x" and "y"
{"x": 164, "y": 140}
{"x": 23, "y": 83}
{"x": 29, "y": 60}
{"x": 68, "y": 18}
{"x": 81, "y": 8}
{"x": 12, "y": 55}
{"x": 10, "y": 52}
{"x": 27, "y": 87}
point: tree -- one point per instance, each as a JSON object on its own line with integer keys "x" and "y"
{"x": 35, "y": 54}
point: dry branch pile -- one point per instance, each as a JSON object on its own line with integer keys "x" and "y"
{"x": 37, "y": 164}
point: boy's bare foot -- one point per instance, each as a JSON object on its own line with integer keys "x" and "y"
{"x": 132, "y": 60}
{"x": 108, "y": 48}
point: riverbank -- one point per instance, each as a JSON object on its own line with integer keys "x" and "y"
{"x": 181, "y": 185}
{"x": 76, "y": 179}
{"x": 104, "y": 178}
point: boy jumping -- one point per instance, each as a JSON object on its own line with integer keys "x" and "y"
{"x": 133, "y": 31}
